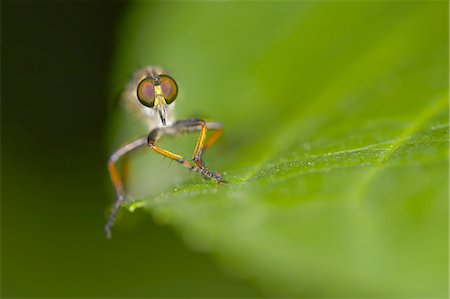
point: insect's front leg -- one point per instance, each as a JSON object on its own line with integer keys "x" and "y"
{"x": 183, "y": 126}
{"x": 152, "y": 139}
{"x": 203, "y": 143}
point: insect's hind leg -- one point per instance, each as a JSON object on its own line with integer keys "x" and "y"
{"x": 117, "y": 181}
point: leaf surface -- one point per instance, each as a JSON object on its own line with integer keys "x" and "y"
{"x": 335, "y": 146}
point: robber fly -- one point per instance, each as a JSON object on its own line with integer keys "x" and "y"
{"x": 151, "y": 94}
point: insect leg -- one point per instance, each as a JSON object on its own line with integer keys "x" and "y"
{"x": 213, "y": 138}
{"x": 117, "y": 181}
{"x": 153, "y": 138}
{"x": 202, "y": 142}
{"x": 218, "y": 130}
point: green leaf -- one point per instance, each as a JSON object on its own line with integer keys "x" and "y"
{"x": 335, "y": 144}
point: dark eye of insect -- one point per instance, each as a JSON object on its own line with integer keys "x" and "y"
{"x": 146, "y": 92}
{"x": 169, "y": 88}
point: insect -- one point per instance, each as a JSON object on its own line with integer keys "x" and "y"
{"x": 151, "y": 95}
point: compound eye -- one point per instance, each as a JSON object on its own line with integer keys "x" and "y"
{"x": 146, "y": 92}
{"x": 169, "y": 88}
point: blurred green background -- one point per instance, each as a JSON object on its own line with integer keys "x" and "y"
{"x": 56, "y": 191}
{"x": 336, "y": 150}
